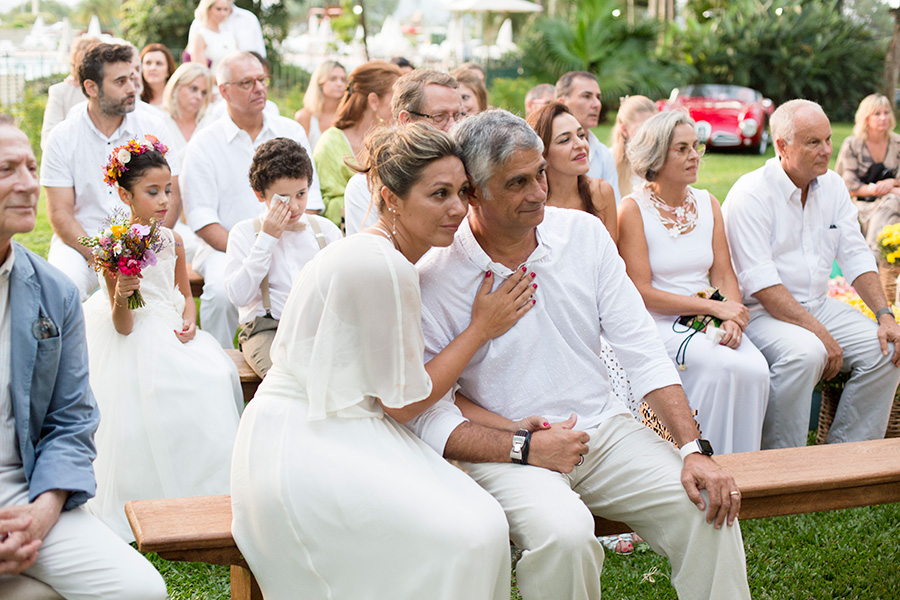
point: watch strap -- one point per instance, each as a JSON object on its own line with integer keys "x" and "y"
{"x": 884, "y": 311}
{"x": 521, "y": 442}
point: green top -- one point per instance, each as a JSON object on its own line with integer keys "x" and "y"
{"x": 331, "y": 149}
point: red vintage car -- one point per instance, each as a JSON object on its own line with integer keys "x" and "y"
{"x": 727, "y": 116}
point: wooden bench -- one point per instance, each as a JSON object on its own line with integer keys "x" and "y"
{"x": 772, "y": 483}
{"x": 249, "y": 379}
{"x": 196, "y": 282}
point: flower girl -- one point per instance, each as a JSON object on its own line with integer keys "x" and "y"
{"x": 169, "y": 396}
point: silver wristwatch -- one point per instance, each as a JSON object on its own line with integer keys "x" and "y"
{"x": 518, "y": 452}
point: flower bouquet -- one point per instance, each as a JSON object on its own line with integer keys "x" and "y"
{"x": 123, "y": 247}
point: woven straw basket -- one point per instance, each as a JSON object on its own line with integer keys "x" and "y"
{"x": 831, "y": 394}
{"x": 888, "y": 274}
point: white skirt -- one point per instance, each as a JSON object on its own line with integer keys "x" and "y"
{"x": 359, "y": 508}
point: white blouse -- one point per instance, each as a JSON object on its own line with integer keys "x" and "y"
{"x": 351, "y": 332}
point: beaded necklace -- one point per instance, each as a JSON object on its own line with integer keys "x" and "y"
{"x": 677, "y": 219}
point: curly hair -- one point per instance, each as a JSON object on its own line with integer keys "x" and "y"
{"x": 279, "y": 158}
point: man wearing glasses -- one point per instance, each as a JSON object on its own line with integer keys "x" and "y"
{"x": 216, "y": 187}
{"x": 420, "y": 95}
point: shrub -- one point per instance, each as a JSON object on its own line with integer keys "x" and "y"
{"x": 624, "y": 58}
{"x": 509, "y": 94}
{"x": 785, "y": 49}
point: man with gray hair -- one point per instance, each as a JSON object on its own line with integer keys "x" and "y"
{"x": 535, "y": 422}
{"x": 216, "y": 187}
{"x": 420, "y": 95}
{"x": 786, "y": 223}
{"x": 580, "y": 91}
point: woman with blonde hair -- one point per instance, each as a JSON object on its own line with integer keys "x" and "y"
{"x": 472, "y": 91}
{"x": 185, "y": 100}
{"x": 320, "y": 103}
{"x": 868, "y": 162}
{"x": 366, "y": 103}
{"x": 566, "y": 150}
{"x": 330, "y": 493}
{"x": 633, "y": 111}
{"x": 210, "y": 43}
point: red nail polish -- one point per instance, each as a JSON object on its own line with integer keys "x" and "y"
{"x": 533, "y": 301}
{"x": 524, "y": 270}
{"x": 546, "y": 424}
{"x": 533, "y": 275}
{"x": 534, "y": 285}
{"x": 488, "y": 274}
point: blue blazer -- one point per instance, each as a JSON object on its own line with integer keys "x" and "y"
{"x": 55, "y": 411}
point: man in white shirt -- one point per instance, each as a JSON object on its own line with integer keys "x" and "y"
{"x": 216, "y": 187}
{"x": 48, "y": 417}
{"x": 580, "y": 91}
{"x": 588, "y": 454}
{"x": 420, "y": 95}
{"x": 786, "y": 223}
{"x": 78, "y": 199}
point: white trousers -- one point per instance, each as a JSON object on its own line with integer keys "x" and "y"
{"x": 629, "y": 474}
{"x": 82, "y": 559}
{"x": 796, "y": 360}
{"x": 218, "y": 316}
{"x": 70, "y": 261}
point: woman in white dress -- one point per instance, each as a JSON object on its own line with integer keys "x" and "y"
{"x": 332, "y": 497}
{"x": 632, "y": 113}
{"x": 320, "y": 103}
{"x": 169, "y": 396}
{"x": 673, "y": 242}
{"x": 210, "y": 43}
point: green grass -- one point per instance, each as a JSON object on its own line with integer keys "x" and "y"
{"x": 847, "y": 555}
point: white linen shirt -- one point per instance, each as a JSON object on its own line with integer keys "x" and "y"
{"x": 775, "y": 240}
{"x": 549, "y": 363}
{"x": 216, "y": 184}
{"x": 250, "y": 257}
{"x": 77, "y": 151}
{"x": 602, "y": 165}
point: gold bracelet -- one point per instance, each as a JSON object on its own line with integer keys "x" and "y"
{"x": 116, "y": 302}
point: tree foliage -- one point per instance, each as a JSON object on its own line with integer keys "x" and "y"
{"x": 157, "y": 21}
{"x": 624, "y": 58}
{"x": 785, "y": 49}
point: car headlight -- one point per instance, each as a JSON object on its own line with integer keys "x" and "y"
{"x": 703, "y": 130}
{"x": 748, "y": 127}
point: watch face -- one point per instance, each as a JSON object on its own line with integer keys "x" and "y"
{"x": 705, "y": 447}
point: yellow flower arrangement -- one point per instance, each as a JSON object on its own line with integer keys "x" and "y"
{"x": 889, "y": 242}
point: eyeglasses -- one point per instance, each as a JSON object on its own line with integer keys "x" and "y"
{"x": 250, "y": 82}
{"x": 684, "y": 149}
{"x": 440, "y": 119}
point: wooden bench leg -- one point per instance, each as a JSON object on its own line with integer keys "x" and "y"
{"x": 243, "y": 584}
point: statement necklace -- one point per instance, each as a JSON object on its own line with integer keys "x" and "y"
{"x": 677, "y": 219}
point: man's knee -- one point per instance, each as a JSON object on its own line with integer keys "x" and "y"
{"x": 564, "y": 531}
{"x": 143, "y": 584}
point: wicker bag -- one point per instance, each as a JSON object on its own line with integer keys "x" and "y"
{"x": 888, "y": 274}
{"x": 831, "y": 395}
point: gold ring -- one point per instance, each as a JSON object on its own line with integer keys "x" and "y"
{"x": 735, "y": 493}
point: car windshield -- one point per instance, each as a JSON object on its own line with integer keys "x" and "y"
{"x": 716, "y": 91}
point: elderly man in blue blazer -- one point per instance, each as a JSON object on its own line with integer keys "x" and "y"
{"x": 48, "y": 417}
